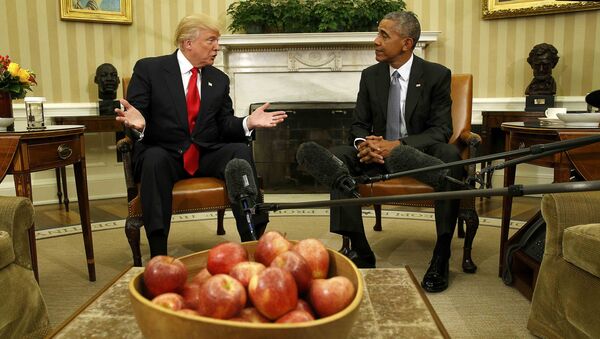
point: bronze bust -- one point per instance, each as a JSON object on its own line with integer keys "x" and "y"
{"x": 542, "y": 58}
{"x": 107, "y": 80}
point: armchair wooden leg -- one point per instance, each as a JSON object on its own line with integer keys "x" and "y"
{"x": 471, "y": 218}
{"x": 132, "y": 231}
{"x": 220, "y": 217}
{"x": 377, "y": 226}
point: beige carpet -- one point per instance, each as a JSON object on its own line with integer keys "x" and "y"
{"x": 474, "y": 306}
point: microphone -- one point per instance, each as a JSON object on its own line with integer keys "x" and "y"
{"x": 326, "y": 168}
{"x": 404, "y": 158}
{"x": 241, "y": 188}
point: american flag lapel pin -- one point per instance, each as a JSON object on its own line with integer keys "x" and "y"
{"x": 418, "y": 85}
{"x": 209, "y": 84}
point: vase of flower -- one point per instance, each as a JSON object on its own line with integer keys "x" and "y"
{"x": 7, "y": 120}
{"x": 15, "y": 81}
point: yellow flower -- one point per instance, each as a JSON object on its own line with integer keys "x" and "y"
{"x": 13, "y": 69}
{"x": 24, "y": 75}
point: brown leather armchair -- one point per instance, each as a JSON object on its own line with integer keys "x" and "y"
{"x": 467, "y": 141}
{"x": 189, "y": 196}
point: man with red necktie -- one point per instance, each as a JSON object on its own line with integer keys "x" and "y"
{"x": 180, "y": 107}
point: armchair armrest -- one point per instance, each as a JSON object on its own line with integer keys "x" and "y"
{"x": 16, "y": 217}
{"x": 470, "y": 138}
{"x": 563, "y": 210}
{"x": 125, "y": 146}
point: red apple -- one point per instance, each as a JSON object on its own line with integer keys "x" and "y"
{"x": 191, "y": 295}
{"x": 172, "y": 301}
{"x": 164, "y": 274}
{"x": 188, "y": 312}
{"x": 305, "y": 306}
{"x": 221, "y": 297}
{"x": 201, "y": 277}
{"x": 329, "y": 296}
{"x": 223, "y": 257}
{"x": 273, "y": 292}
{"x": 297, "y": 266}
{"x": 245, "y": 270}
{"x": 251, "y": 314}
{"x": 270, "y": 245}
{"x": 316, "y": 255}
{"x": 295, "y": 316}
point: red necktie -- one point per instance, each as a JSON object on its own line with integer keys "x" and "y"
{"x": 191, "y": 157}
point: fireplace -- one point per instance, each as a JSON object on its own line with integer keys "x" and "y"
{"x": 313, "y": 76}
{"x": 326, "y": 123}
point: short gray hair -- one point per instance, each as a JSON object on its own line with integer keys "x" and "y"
{"x": 406, "y": 23}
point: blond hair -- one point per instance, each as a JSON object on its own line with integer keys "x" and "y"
{"x": 190, "y": 27}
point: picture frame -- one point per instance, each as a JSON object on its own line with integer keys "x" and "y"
{"x": 499, "y": 9}
{"x": 100, "y": 11}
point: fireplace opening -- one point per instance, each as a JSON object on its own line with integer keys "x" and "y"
{"x": 326, "y": 123}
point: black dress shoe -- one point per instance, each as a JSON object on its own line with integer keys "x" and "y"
{"x": 361, "y": 261}
{"x": 436, "y": 277}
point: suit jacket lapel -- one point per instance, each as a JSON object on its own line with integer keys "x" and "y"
{"x": 415, "y": 87}
{"x": 174, "y": 86}
{"x": 205, "y": 94}
{"x": 382, "y": 84}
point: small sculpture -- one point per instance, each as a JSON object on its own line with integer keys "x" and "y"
{"x": 108, "y": 82}
{"x": 542, "y": 58}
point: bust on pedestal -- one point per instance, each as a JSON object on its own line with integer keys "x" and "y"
{"x": 108, "y": 82}
{"x": 540, "y": 92}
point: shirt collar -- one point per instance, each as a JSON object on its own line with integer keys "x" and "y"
{"x": 404, "y": 70}
{"x": 185, "y": 66}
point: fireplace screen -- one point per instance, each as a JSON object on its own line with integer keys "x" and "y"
{"x": 326, "y": 123}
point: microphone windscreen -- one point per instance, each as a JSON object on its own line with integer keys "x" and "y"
{"x": 321, "y": 164}
{"x": 405, "y": 158}
{"x": 239, "y": 179}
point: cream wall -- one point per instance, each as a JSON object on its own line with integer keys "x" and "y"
{"x": 65, "y": 54}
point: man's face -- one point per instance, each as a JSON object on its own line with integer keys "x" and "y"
{"x": 107, "y": 78}
{"x": 542, "y": 66}
{"x": 203, "y": 50}
{"x": 390, "y": 46}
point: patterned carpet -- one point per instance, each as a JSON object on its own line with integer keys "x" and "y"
{"x": 474, "y": 306}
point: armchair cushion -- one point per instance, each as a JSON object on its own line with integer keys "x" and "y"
{"x": 581, "y": 247}
{"x": 22, "y": 308}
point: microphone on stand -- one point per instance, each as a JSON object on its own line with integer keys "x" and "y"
{"x": 326, "y": 168}
{"x": 514, "y": 190}
{"x": 522, "y": 155}
{"x": 242, "y": 189}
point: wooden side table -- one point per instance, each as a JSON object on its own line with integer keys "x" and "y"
{"x": 93, "y": 124}
{"x": 584, "y": 159}
{"x": 492, "y": 136}
{"x": 53, "y": 147}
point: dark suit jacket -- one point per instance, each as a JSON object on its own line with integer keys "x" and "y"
{"x": 428, "y": 104}
{"x": 157, "y": 92}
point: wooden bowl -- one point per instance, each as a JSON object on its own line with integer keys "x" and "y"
{"x": 158, "y": 322}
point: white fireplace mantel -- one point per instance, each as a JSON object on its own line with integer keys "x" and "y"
{"x": 233, "y": 41}
{"x": 298, "y": 66}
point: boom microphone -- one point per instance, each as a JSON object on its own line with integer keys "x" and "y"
{"x": 405, "y": 158}
{"x": 326, "y": 168}
{"x": 241, "y": 188}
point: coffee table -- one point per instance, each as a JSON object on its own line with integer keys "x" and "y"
{"x": 393, "y": 306}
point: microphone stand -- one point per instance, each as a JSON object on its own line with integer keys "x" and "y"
{"x": 512, "y": 191}
{"x": 531, "y": 153}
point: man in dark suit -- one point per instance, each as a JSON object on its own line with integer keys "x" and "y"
{"x": 401, "y": 100}
{"x": 179, "y": 104}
